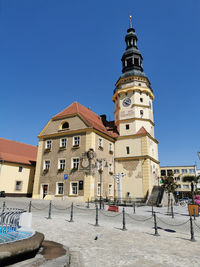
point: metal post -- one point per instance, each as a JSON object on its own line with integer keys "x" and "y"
{"x": 97, "y": 221}
{"x": 134, "y": 207}
{"x": 152, "y": 211}
{"x": 29, "y": 208}
{"x": 4, "y": 206}
{"x": 155, "y": 225}
{"x": 191, "y": 230}
{"x": 103, "y": 204}
{"x": 71, "y": 213}
{"x": 194, "y": 214}
{"x": 49, "y": 217}
{"x": 172, "y": 209}
{"x": 100, "y": 173}
{"x": 124, "y": 221}
{"x": 88, "y": 204}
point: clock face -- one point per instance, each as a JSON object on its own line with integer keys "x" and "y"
{"x": 126, "y": 102}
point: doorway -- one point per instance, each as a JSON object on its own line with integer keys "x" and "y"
{"x": 45, "y": 190}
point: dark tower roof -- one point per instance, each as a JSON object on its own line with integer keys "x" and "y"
{"x": 132, "y": 58}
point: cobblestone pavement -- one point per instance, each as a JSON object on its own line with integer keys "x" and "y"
{"x": 108, "y": 244}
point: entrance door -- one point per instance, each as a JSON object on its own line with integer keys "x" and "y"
{"x": 45, "y": 190}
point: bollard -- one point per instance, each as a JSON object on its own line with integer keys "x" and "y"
{"x": 194, "y": 215}
{"x": 49, "y": 217}
{"x": 97, "y": 221}
{"x": 172, "y": 209}
{"x": 29, "y": 208}
{"x": 124, "y": 221}
{"x": 88, "y": 203}
{"x": 71, "y": 213}
{"x": 191, "y": 230}
{"x": 4, "y": 206}
{"x": 152, "y": 211}
{"x": 155, "y": 225}
{"x": 134, "y": 207}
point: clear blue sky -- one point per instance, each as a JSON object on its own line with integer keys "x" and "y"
{"x": 53, "y": 53}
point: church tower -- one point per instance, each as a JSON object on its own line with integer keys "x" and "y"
{"x": 136, "y": 151}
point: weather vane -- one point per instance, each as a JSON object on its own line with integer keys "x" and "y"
{"x": 130, "y": 21}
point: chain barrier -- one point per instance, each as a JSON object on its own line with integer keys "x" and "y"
{"x": 169, "y": 224}
{"x": 115, "y": 215}
{"x": 40, "y": 208}
{"x": 86, "y": 209}
{"x": 60, "y": 208}
{"x": 139, "y": 220}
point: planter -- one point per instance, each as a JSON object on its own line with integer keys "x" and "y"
{"x": 193, "y": 209}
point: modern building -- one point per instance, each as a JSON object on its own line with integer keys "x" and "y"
{"x": 17, "y": 168}
{"x": 79, "y": 151}
{"x": 179, "y": 172}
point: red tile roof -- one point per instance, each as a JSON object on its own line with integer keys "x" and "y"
{"x": 142, "y": 131}
{"x": 93, "y": 120}
{"x": 12, "y": 151}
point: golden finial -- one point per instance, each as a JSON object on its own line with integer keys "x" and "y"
{"x": 130, "y": 21}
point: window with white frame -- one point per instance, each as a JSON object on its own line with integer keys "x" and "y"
{"x": 185, "y": 186}
{"x": 98, "y": 189}
{"x": 100, "y": 143}
{"x": 48, "y": 144}
{"x": 61, "y": 164}
{"x": 74, "y": 188}
{"x": 76, "y": 140}
{"x": 110, "y": 168}
{"x": 20, "y": 169}
{"x": 18, "y": 185}
{"x": 110, "y": 147}
{"x": 75, "y": 163}
{"x": 60, "y": 188}
{"x": 176, "y": 171}
{"x": 46, "y": 165}
{"x": 191, "y": 170}
{"x": 110, "y": 191}
{"x": 127, "y": 150}
{"x": 63, "y": 142}
{"x": 184, "y": 170}
{"x": 141, "y": 112}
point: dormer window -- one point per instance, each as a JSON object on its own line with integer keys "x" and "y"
{"x": 65, "y": 125}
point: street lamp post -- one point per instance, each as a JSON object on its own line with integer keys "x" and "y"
{"x": 118, "y": 177}
{"x": 100, "y": 161}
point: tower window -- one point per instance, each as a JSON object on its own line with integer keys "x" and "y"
{"x": 129, "y": 62}
{"x": 136, "y": 61}
{"x": 127, "y": 150}
{"x": 141, "y": 99}
{"x": 141, "y": 112}
{"x": 127, "y": 126}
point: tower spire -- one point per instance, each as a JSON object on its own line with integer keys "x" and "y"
{"x": 130, "y": 21}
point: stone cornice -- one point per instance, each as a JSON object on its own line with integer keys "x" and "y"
{"x": 144, "y": 157}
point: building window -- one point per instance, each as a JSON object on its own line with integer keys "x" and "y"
{"x": 191, "y": 170}
{"x": 48, "y": 144}
{"x": 129, "y": 62}
{"x": 76, "y": 141}
{"x": 176, "y": 171}
{"x": 127, "y": 150}
{"x": 141, "y": 112}
{"x": 110, "y": 147}
{"x": 169, "y": 172}
{"x": 63, "y": 142}
{"x": 163, "y": 172}
{"x": 74, "y": 188}
{"x": 141, "y": 99}
{"x": 179, "y": 186}
{"x": 65, "y": 125}
{"x": 110, "y": 168}
{"x": 185, "y": 186}
{"x": 110, "y": 191}
{"x": 177, "y": 178}
{"x": 75, "y": 163}
{"x": 127, "y": 126}
{"x": 60, "y": 188}
{"x": 20, "y": 169}
{"x": 136, "y": 61}
{"x": 46, "y": 165}
{"x": 61, "y": 164}
{"x": 18, "y": 185}
{"x": 98, "y": 189}
{"x": 184, "y": 170}
{"x": 100, "y": 143}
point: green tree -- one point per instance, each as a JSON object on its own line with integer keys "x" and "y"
{"x": 192, "y": 179}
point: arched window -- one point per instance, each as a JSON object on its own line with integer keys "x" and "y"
{"x": 65, "y": 125}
